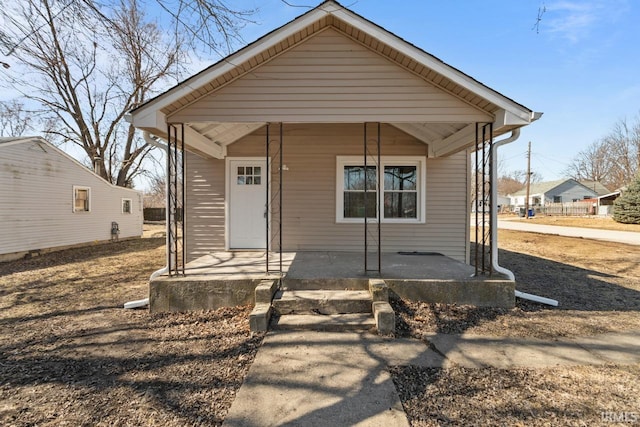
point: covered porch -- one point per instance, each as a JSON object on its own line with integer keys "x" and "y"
{"x": 331, "y": 134}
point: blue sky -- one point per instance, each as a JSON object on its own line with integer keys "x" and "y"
{"x": 582, "y": 68}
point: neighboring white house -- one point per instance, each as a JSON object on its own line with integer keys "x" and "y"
{"x": 561, "y": 191}
{"x": 48, "y": 200}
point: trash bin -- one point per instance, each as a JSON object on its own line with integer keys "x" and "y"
{"x": 531, "y": 213}
{"x": 521, "y": 213}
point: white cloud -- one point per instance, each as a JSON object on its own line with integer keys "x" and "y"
{"x": 577, "y": 20}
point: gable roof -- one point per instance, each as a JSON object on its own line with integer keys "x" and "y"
{"x": 545, "y": 187}
{"x": 596, "y": 186}
{"x": 9, "y": 141}
{"x": 506, "y": 113}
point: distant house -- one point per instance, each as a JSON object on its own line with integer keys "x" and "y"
{"x": 605, "y": 201}
{"x": 561, "y": 191}
{"x": 49, "y": 201}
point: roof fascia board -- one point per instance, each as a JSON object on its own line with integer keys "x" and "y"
{"x": 436, "y": 65}
{"x": 230, "y": 62}
{"x": 507, "y": 118}
{"x": 150, "y": 120}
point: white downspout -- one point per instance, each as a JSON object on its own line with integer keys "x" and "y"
{"x": 145, "y": 301}
{"x": 515, "y": 134}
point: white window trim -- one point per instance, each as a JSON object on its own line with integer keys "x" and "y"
{"x": 73, "y": 199}
{"x": 418, "y": 161}
{"x": 130, "y": 206}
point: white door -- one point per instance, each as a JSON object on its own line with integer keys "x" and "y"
{"x": 247, "y": 204}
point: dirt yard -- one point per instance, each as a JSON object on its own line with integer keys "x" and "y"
{"x": 70, "y": 355}
{"x": 604, "y": 223}
{"x": 598, "y": 287}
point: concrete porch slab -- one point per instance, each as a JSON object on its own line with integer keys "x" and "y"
{"x": 229, "y": 278}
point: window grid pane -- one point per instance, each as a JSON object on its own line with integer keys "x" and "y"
{"x": 400, "y": 204}
{"x": 249, "y": 175}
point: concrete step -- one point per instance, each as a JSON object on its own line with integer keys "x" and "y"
{"x": 321, "y": 302}
{"x": 325, "y": 283}
{"x": 331, "y": 323}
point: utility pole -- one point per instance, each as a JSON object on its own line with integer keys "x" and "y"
{"x": 526, "y": 200}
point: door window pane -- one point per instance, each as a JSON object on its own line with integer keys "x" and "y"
{"x": 249, "y": 175}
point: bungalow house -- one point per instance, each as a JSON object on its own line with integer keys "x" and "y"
{"x": 49, "y": 201}
{"x": 560, "y": 191}
{"x": 329, "y": 140}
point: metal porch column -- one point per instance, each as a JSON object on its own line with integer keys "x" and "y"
{"x": 175, "y": 199}
{"x": 377, "y": 233}
{"x": 483, "y": 206}
{"x": 274, "y": 201}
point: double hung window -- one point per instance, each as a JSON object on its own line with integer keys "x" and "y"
{"x": 399, "y": 186}
{"x": 81, "y": 199}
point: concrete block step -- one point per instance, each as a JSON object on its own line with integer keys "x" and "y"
{"x": 331, "y": 323}
{"x": 325, "y": 283}
{"x": 322, "y": 302}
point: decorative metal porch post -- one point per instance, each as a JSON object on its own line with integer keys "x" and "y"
{"x": 378, "y": 202}
{"x": 175, "y": 199}
{"x": 484, "y": 208}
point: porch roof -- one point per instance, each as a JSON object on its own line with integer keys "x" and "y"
{"x": 445, "y": 134}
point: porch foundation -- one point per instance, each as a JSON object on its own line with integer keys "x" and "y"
{"x": 230, "y": 279}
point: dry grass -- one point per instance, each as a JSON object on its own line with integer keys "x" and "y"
{"x": 596, "y": 283}
{"x": 576, "y": 396}
{"x": 603, "y": 223}
{"x": 71, "y": 355}
{"x": 598, "y": 286}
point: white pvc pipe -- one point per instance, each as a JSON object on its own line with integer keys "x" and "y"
{"x": 144, "y": 302}
{"x": 515, "y": 134}
{"x": 536, "y": 298}
{"x": 137, "y": 303}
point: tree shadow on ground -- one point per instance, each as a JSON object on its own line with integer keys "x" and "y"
{"x": 84, "y": 253}
{"x": 175, "y": 369}
{"x": 576, "y": 289}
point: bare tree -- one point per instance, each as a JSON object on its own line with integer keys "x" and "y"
{"x": 593, "y": 163}
{"x": 155, "y": 195}
{"x": 613, "y": 160}
{"x": 88, "y": 63}
{"x": 15, "y": 120}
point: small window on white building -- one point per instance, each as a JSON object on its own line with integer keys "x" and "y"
{"x": 126, "y": 206}
{"x": 81, "y": 199}
{"x": 557, "y": 199}
{"x": 401, "y": 184}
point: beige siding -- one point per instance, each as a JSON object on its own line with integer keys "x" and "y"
{"x": 204, "y": 206}
{"x": 309, "y": 192}
{"x": 329, "y": 78}
{"x": 36, "y": 201}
